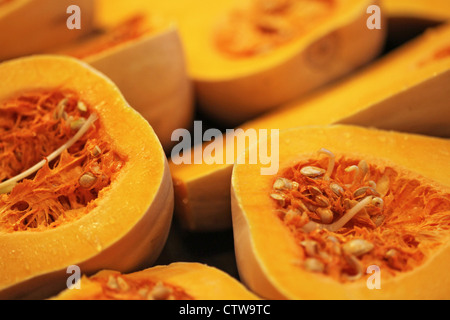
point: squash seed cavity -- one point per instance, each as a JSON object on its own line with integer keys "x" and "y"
{"x": 261, "y": 26}
{"x": 126, "y": 287}
{"x": 53, "y": 161}
{"x": 348, "y": 213}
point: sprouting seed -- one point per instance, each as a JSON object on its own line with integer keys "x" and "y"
{"x": 326, "y": 215}
{"x": 322, "y": 201}
{"x": 361, "y": 191}
{"x": 77, "y": 124}
{"x": 96, "y": 151}
{"x": 378, "y": 202}
{"x": 279, "y": 197}
{"x": 314, "y": 265}
{"x": 363, "y": 167}
{"x": 372, "y": 184}
{"x": 352, "y": 168}
{"x": 87, "y": 180}
{"x": 160, "y": 292}
{"x": 315, "y": 191}
{"x": 312, "y": 172}
{"x": 311, "y": 247}
{"x": 123, "y": 285}
{"x": 81, "y": 106}
{"x": 282, "y": 184}
{"x": 358, "y": 247}
{"x": 378, "y": 220}
{"x": 60, "y": 109}
{"x": 356, "y": 265}
{"x": 331, "y": 163}
{"x": 337, "y": 189}
{"x": 112, "y": 283}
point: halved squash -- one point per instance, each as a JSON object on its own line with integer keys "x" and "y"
{"x": 247, "y": 57}
{"x": 406, "y": 90}
{"x": 434, "y": 10}
{"x": 143, "y": 56}
{"x": 29, "y": 26}
{"x": 353, "y": 213}
{"x": 177, "y": 281}
{"x": 83, "y": 177}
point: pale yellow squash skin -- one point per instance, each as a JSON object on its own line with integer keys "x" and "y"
{"x": 393, "y": 93}
{"x": 129, "y": 226}
{"x": 151, "y": 73}
{"x": 200, "y": 281}
{"x": 235, "y": 90}
{"x": 37, "y": 26}
{"x": 265, "y": 249}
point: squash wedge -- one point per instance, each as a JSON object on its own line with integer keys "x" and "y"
{"x": 406, "y": 90}
{"x": 143, "y": 56}
{"x": 28, "y": 26}
{"x": 408, "y": 19}
{"x": 386, "y": 236}
{"x": 177, "y": 281}
{"x": 84, "y": 178}
{"x": 232, "y": 89}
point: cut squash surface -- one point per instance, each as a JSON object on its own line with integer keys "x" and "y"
{"x": 71, "y": 148}
{"x": 438, "y": 10}
{"x": 405, "y": 91}
{"x": 345, "y": 202}
{"x": 177, "y": 281}
{"x": 277, "y": 55}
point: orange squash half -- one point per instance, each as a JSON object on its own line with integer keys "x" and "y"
{"x": 29, "y": 26}
{"x": 177, "y": 281}
{"x": 101, "y": 196}
{"x": 353, "y": 213}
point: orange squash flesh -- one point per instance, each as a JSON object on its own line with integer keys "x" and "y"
{"x": 107, "y": 231}
{"x": 142, "y": 54}
{"x": 30, "y": 27}
{"x": 232, "y": 90}
{"x": 184, "y": 281}
{"x": 406, "y": 91}
{"x": 437, "y": 10}
{"x": 410, "y": 246}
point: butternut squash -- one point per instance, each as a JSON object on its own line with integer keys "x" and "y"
{"x": 29, "y": 26}
{"x": 406, "y": 90}
{"x": 177, "y": 281}
{"x": 304, "y": 45}
{"x": 434, "y": 10}
{"x": 83, "y": 177}
{"x": 353, "y": 213}
{"x": 142, "y": 54}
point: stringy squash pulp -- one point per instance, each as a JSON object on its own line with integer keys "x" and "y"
{"x": 70, "y": 148}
